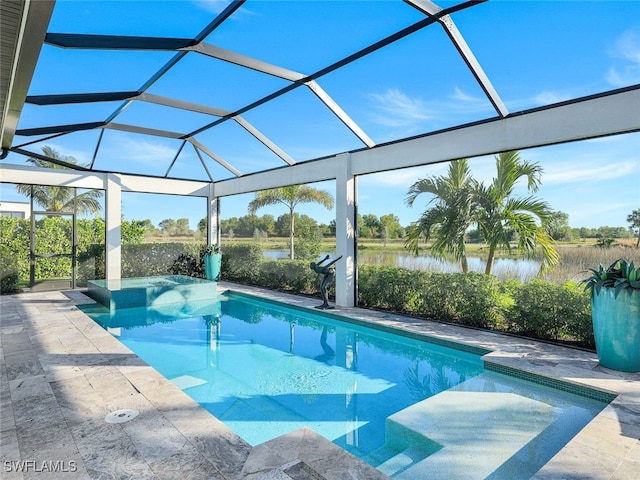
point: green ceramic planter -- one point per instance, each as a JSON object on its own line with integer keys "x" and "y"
{"x": 616, "y": 327}
{"x": 212, "y": 264}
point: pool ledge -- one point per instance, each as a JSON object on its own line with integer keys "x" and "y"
{"x": 63, "y": 373}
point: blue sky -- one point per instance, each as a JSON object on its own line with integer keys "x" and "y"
{"x": 534, "y": 52}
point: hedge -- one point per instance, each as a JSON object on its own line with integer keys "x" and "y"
{"x": 288, "y": 275}
{"x": 471, "y": 299}
{"x": 241, "y": 263}
{"x": 539, "y": 309}
{"x": 54, "y": 236}
{"x": 391, "y": 288}
{"x": 549, "y": 311}
{"x": 10, "y": 270}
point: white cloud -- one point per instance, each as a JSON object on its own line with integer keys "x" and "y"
{"x": 81, "y": 156}
{"x": 627, "y": 50}
{"x": 482, "y": 169}
{"x": 405, "y": 177}
{"x": 463, "y": 103}
{"x": 607, "y": 213}
{"x": 458, "y": 94}
{"x": 144, "y": 151}
{"x": 547, "y": 98}
{"x": 582, "y": 173}
{"x": 215, "y": 6}
{"x": 393, "y": 178}
{"x": 396, "y": 109}
{"x": 544, "y": 97}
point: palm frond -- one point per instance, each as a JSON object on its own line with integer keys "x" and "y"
{"x": 60, "y": 199}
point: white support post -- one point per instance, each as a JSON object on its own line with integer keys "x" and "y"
{"x": 346, "y": 197}
{"x": 213, "y": 214}
{"x": 113, "y": 224}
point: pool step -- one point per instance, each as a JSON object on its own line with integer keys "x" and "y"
{"x": 403, "y": 461}
{"x": 487, "y": 429}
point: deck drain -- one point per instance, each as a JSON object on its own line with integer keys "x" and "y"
{"x": 121, "y": 416}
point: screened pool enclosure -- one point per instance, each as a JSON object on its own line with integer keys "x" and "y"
{"x": 241, "y": 96}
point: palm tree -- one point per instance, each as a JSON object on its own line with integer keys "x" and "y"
{"x": 291, "y": 196}
{"x": 451, "y": 215}
{"x": 500, "y": 215}
{"x": 60, "y": 199}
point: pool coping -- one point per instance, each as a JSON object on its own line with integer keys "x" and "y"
{"x": 54, "y": 355}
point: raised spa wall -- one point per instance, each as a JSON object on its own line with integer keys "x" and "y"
{"x": 146, "y": 291}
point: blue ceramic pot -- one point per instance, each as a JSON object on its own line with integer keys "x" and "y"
{"x": 616, "y": 328}
{"x": 212, "y": 264}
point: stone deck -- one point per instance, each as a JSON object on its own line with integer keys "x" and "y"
{"x": 61, "y": 374}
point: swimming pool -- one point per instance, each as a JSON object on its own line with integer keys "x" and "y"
{"x": 403, "y": 405}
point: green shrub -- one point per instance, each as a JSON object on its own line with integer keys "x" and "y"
{"x": 138, "y": 260}
{"x": 9, "y": 271}
{"x": 307, "y": 242}
{"x": 53, "y": 236}
{"x": 549, "y": 311}
{"x": 149, "y": 259}
{"x": 471, "y": 299}
{"x": 391, "y": 288}
{"x": 190, "y": 263}
{"x": 15, "y": 236}
{"x": 539, "y": 309}
{"x": 90, "y": 264}
{"x": 288, "y": 275}
{"x": 185, "y": 264}
{"x": 241, "y": 262}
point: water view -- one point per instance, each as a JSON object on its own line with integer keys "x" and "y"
{"x": 521, "y": 269}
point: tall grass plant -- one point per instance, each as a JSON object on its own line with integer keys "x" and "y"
{"x": 576, "y": 260}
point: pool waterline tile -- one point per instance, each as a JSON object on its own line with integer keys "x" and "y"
{"x": 563, "y": 385}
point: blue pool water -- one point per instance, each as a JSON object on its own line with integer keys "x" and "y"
{"x": 408, "y": 407}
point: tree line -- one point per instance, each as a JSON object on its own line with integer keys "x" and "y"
{"x": 370, "y": 226}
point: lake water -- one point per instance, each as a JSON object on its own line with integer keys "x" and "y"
{"x": 504, "y": 268}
